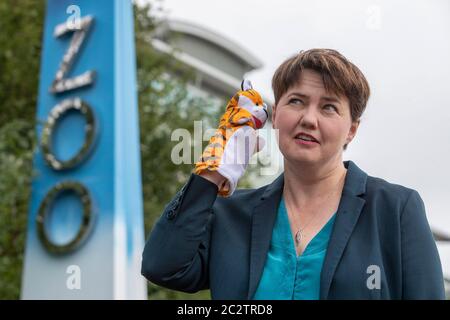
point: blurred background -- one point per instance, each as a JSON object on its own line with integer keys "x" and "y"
{"x": 191, "y": 58}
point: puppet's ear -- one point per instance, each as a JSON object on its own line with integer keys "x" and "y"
{"x": 246, "y": 85}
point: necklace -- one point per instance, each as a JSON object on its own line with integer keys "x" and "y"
{"x": 298, "y": 237}
{"x": 299, "y": 234}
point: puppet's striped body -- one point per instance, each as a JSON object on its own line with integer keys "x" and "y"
{"x": 246, "y": 108}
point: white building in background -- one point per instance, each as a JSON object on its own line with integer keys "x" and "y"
{"x": 443, "y": 245}
{"x": 219, "y": 63}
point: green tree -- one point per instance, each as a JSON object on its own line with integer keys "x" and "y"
{"x": 20, "y": 46}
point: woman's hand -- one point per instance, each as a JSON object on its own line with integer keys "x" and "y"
{"x": 235, "y": 141}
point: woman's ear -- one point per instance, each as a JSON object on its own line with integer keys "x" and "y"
{"x": 353, "y": 130}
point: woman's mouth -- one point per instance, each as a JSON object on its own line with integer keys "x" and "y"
{"x": 305, "y": 141}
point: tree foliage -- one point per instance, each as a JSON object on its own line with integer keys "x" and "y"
{"x": 20, "y": 46}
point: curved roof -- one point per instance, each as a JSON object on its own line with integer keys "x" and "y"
{"x": 219, "y": 40}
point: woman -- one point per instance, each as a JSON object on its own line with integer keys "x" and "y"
{"x": 323, "y": 229}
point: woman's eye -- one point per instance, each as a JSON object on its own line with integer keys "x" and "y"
{"x": 295, "y": 101}
{"x": 330, "y": 107}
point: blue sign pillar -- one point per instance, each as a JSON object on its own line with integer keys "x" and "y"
{"x": 85, "y": 229}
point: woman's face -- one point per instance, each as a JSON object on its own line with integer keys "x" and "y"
{"x": 306, "y": 107}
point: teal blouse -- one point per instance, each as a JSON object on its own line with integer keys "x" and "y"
{"x": 287, "y": 276}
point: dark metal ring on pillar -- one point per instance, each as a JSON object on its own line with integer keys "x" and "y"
{"x": 87, "y": 220}
{"x": 90, "y": 129}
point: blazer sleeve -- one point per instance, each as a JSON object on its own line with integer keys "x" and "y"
{"x": 176, "y": 253}
{"x": 421, "y": 265}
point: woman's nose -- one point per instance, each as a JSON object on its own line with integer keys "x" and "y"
{"x": 308, "y": 117}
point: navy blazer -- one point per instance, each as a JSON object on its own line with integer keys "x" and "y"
{"x": 381, "y": 246}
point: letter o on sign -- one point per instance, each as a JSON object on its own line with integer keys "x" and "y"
{"x": 86, "y": 223}
{"x": 56, "y": 113}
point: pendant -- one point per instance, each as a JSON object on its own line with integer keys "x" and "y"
{"x": 298, "y": 237}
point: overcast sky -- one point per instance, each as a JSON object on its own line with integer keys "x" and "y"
{"x": 403, "y": 48}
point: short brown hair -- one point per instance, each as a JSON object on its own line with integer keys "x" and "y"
{"x": 339, "y": 76}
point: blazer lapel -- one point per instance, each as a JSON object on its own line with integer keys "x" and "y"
{"x": 264, "y": 215}
{"x": 349, "y": 209}
{"x": 263, "y": 220}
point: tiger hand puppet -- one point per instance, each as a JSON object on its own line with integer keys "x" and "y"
{"x": 235, "y": 141}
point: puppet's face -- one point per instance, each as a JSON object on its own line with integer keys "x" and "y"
{"x": 251, "y": 101}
